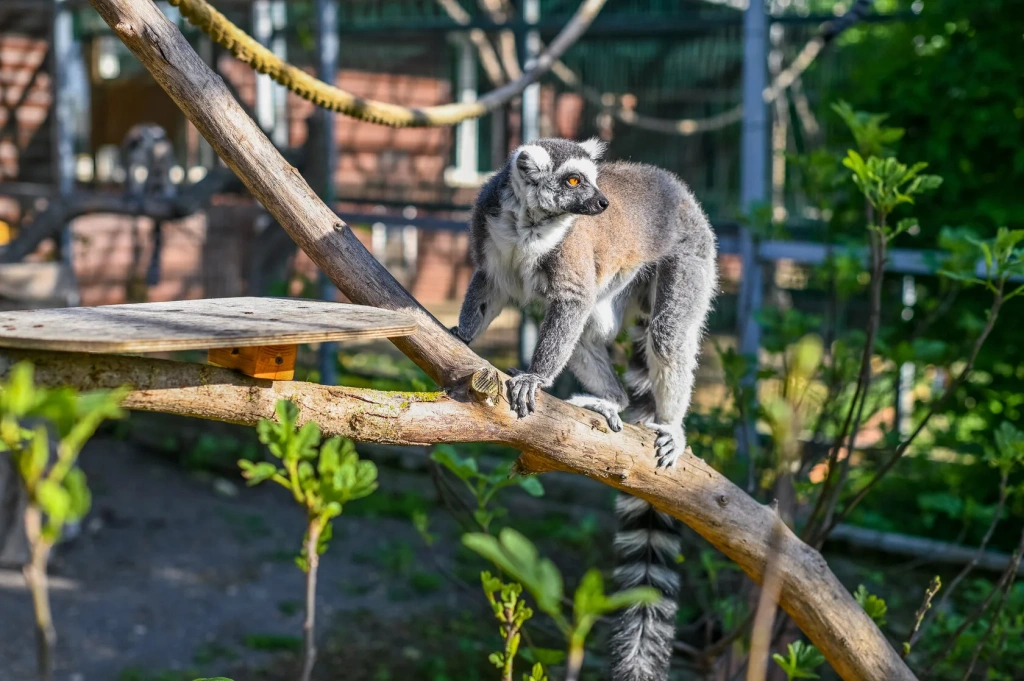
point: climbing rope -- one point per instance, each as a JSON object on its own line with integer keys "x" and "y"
{"x": 247, "y": 50}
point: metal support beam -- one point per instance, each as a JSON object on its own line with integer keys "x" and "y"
{"x": 529, "y": 49}
{"x": 467, "y": 135}
{"x": 63, "y": 63}
{"x": 753, "y": 190}
{"x": 327, "y": 68}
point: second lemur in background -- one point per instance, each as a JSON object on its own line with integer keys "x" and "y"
{"x": 604, "y": 246}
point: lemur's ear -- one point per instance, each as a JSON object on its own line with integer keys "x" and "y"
{"x": 532, "y": 162}
{"x": 595, "y": 147}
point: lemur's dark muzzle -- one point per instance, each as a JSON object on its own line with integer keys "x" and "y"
{"x": 595, "y": 205}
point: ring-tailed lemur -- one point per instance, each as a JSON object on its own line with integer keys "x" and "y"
{"x": 147, "y": 156}
{"x": 636, "y": 252}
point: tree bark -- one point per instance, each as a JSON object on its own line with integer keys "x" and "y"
{"x": 557, "y": 436}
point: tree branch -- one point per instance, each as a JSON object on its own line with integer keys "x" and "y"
{"x": 557, "y": 436}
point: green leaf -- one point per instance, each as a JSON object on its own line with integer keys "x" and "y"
{"x": 874, "y": 606}
{"x": 464, "y": 469}
{"x": 19, "y": 395}
{"x": 531, "y": 485}
{"x": 517, "y": 556}
{"x": 79, "y": 497}
{"x": 544, "y": 656}
{"x": 255, "y": 473}
{"x": 34, "y": 457}
{"x": 800, "y": 661}
{"x": 641, "y": 595}
{"x": 54, "y": 500}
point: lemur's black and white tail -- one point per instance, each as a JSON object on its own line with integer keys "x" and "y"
{"x": 646, "y": 545}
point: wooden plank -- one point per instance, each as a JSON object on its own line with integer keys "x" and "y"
{"x": 198, "y": 325}
{"x": 276, "y": 362}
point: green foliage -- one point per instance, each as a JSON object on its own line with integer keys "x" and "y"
{"x": 963, "y": 55}
{"x": 512, "y": 612}
{"x": 536, "y": 674}
{"x": 338, "y": 476}
{"x": 874, "y": 606}
{"x": 800, "y": 662}
{"x": 516, "y": 556}
{"x": 483, "y": 486}
{"x": 872, "y": 137}
{"x": 57, "y": 487}
{"x": 886, "y": 183}
{"x": 1009, "y": 449}
{"x": 1001, "y": 649}
{"x": 1002, "y": 257}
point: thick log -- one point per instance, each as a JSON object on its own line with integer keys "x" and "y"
{"x": 557, "y": 437}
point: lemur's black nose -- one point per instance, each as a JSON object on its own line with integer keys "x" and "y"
{"x": 602, "y": 202}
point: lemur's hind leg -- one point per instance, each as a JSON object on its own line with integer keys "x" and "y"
{"x": 685, "y": 286}
{"x": 592, "y": 365}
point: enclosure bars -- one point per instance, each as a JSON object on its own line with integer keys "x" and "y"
{"x": 528, "y": 47}
{"x": 327, "y": 69}
{"x": 64, "y": 43}
{"x": 753, "y": 167}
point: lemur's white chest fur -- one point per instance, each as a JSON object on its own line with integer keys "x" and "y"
{"x": 512, "y": 255}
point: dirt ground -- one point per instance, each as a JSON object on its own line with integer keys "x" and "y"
{"x": 178, "y": 571}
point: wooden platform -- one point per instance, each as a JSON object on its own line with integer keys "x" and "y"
{"x": 254, "y": 335}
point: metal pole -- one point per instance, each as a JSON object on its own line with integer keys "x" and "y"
{"x": 529, "y": 48}
{"x": 279, "y": 46}
{"x": 327, "y": 68}
{"x": 63, "y": 44}
{"x": 263, "y": 32}
{"x": 468, "y": 132}
{"x": 753, "y": 187}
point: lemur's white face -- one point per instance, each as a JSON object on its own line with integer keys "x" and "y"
{"x": 559, "y": 177}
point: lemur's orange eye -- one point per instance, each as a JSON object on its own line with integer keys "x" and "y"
{"x": 573, "y": 181}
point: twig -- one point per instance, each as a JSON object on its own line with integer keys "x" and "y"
{"x": 1010, "y": 576}
{"x": 829, "y": 496}
{"x": 1003, "y": 493}
{"x": 762, "y": 634}
{"x": 309, "y": 626}
{"x": 993, "y": 314}
{"x": 878, "y": 245}
{"x": 35, "y": 577}
{"x": 929, "y": 594}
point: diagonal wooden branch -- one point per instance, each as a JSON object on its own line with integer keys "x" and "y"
{"x": 557, "y": 437}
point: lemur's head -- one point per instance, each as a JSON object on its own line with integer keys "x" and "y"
{"x": 558, "y": 176}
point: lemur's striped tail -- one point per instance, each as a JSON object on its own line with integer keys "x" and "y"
{"x": 646, "y": 544}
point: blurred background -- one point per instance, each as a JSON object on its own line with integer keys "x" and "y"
{"x": 109, "y": 195}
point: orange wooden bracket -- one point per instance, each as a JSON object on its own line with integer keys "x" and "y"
{"x": 275, "y": 362}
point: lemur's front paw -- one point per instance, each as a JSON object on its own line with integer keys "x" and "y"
{"x": 606, "y": 408}
{"x": 455, "y": 332}
{"x": 670, "y": 443}
{"x": 522, "y": 393}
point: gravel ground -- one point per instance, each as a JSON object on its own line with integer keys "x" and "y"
{"x": 174, "y": 571}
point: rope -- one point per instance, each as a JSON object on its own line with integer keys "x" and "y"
{"x": 244, "y": 48}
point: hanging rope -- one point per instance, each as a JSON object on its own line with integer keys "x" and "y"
{"x": 247, "y": 50}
